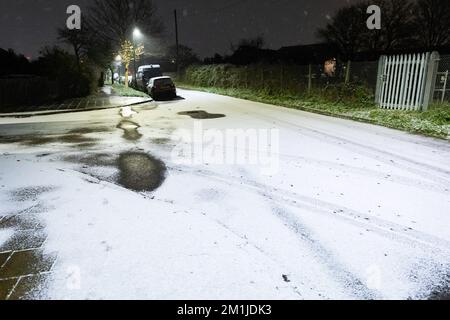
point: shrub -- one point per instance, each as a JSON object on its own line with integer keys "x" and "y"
{"x": 274, "y": 80}
{"x": 73, "y": 80}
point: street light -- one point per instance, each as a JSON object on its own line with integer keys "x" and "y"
{"x": 136, "y": 34}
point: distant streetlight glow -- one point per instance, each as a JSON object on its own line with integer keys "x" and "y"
{"x": 136, "y": 33}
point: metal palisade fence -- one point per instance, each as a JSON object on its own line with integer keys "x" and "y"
{"x": 407, "y": 82}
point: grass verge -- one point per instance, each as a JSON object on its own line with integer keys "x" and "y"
{"x": 434, "y": 122}
{"x": 121, "y": 90}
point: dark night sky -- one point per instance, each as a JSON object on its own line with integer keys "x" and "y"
{"x": 208, "y": 26}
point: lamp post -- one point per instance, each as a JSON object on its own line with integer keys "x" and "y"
{"x": 136, "y": 34}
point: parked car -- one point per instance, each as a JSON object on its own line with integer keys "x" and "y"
{"x": 161, "y": 87}
{"x": 145, "y": 73}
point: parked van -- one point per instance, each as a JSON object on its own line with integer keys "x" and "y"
{"x": 145, "y": 73}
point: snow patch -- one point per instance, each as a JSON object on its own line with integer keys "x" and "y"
{"x": 127, "y": 112}
{"x": 5, "y": 235}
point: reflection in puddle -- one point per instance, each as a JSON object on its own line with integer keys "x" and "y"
{"x": 130, "y": 130}
{"x": 140, "y": 171}
{"x": 200, "y": 114}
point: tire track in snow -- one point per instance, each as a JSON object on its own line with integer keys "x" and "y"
{"x": 340, "y": 272}
{"x": 406, "y": 181}
{"x": 258, "y": 248}
{"x": 383, "y": 227}
{"x": 371, "y": 152}
{"x": 319, "y": 134}
{"x": 295, "y": 279}
{"x": 292, "y": 220}
{"x": 349, "y": 281}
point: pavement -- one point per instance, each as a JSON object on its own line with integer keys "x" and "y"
{"x": 103, "y": 100}
{"x": 212, "y": 197}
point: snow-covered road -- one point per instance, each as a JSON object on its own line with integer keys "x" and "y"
{"x": 328, "y": 209}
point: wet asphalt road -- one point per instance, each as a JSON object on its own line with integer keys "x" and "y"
{"x": 337, "y": 180}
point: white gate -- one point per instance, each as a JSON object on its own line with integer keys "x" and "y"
{"x": 406, "y": 82}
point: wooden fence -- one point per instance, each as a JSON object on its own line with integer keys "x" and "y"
{"x": 26, "y": 91}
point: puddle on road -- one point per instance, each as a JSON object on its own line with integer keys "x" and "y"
{"x": 84, "y": 146}
{"x": 75, "y": 137}
{"x": 92, "y": 160}
{"x": 161, "y": 141}
{"x": 134, "y": 170}
{"x": 43, "y": 140}
{"x": 140, "y": 171}
{"x": 201, "y": 114}
{"x": 130, "y": 130}
{"x": 89, "y": 130}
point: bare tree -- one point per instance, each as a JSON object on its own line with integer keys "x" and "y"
{"x": 433, "y": 21}
{"x": 114, "y": 20}
{"x": 88, "y": 47}
{"x": 397, "y": 24}
{"x": 348, "y": 30}
{"x": 111, "y": 22}
{"x": 77, "y": 39}
{"x": 186, "y": 56}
